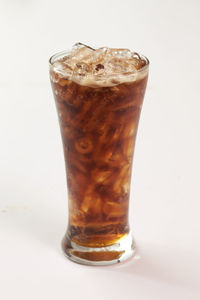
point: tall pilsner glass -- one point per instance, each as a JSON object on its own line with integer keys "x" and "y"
{"x": 99, "y": 95}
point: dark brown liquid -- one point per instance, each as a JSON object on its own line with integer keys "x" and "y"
{"x": 98, "y": 127}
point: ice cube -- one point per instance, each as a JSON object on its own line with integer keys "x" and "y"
{"x": 138, "y": 61}
{"x": 58, "y": 66}
{"x": 101, "y": 176}
{"x": 62, "y": 68}
{"x": 136, "y": 55}
{"x": 81, "y": 52}
{"x": 117, "y": 65}
{"x": 98, "y": 69}
{"x": 129, "y": 130}
{"x": 99, "y": 54}
{"x": 120, "y": 53}
{"x": 80, "y": 71}
{"x": 77, "y": 46}
{"x": 80, "y": 45}
{"x": 113, "y": 209}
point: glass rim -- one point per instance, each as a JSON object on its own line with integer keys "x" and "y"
{"x": 53, "y": 58}
{"x": 60, "y": 54}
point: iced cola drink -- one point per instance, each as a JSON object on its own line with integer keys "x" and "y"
{"x": 98, "y": 95}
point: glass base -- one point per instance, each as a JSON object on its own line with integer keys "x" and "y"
{"x": 118, "y": 252}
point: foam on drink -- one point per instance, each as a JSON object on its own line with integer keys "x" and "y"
{"x": 99, "y": 67}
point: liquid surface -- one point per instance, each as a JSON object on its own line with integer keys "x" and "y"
{"x": 99, "y": 67}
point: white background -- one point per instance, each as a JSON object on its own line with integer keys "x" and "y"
{"x": 166, "y": 197}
